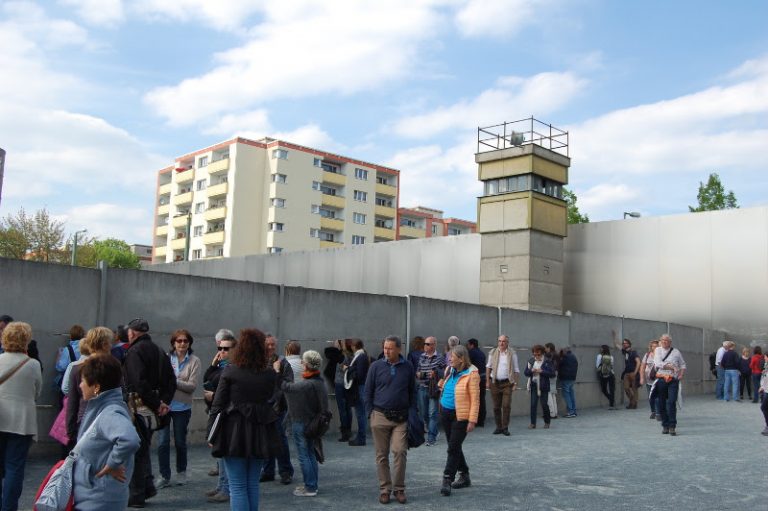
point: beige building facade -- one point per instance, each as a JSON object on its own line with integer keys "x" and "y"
{"x": 243, "y": 197}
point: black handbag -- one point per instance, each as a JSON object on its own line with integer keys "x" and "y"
{"x": 318, "y": 426}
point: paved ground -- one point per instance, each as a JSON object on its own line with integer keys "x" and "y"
{"x": 602, "y": 460}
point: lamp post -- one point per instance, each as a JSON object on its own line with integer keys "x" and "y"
{"x": 74, "y": 246}
{"x": 632, "y": 214}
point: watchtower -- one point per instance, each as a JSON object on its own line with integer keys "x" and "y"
{"x": 522, "y": 216}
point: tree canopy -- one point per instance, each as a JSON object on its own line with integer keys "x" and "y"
{"x": 574, "y": 215}
{"x": 712, "y": 196}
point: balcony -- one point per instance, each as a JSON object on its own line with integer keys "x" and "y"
{"x": 164, "y": 189}
{"x": 185, "y": 177}
{"x": 381, "y": 232}
{"x": 332, "y": 224}
{"x": 161, "y": 230}
{"x": 160, "y": 251}
{"x": 217, "y": 190}
{"x": 213, "y": 238}
{"x": 216, "y": 213}
{"x": 412, "y": 232}
{"x": 218, "y": 166}
{"x": 333, "y": 200}
{"x": 163, "y": 210}
{"x": 183, "y": 198}
{"x": 334, "y": 179}
{"x": 330, "y": 244}
{"x": 179, "y": 221}
{"x": 179, "y": 244}
{"x": 385, "y": 211}
{"x": 388, "y": 190}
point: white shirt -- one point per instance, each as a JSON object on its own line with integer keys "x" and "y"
{"x": 676, "y": 359}
{"x": 719, "y": 356}
{"x": 502, "y": 371}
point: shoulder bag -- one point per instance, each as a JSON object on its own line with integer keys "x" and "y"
{"x": 8, "y": 375}
{"x": 652, "y": 375}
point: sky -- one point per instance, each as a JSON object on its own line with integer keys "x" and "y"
{"x": 97, "y": 95}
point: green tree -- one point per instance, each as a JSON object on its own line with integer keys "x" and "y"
{"x": 574, "y": 216}
{"x": 712, "y": 196}
{"x": 117, "y": 253}
{"x": 37, "y": 237}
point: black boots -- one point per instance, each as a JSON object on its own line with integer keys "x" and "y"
{"x": 445, "y": 489}
{"x": 462, "y": 482}
{"x": 346, "y": 435}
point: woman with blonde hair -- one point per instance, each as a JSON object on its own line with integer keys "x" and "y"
{"x": 460, "y": 405}
{"x": 20, "y": 383}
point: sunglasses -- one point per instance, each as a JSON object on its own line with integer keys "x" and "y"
{"x": 223, "y": 348}
{"x": 181, "y": 340}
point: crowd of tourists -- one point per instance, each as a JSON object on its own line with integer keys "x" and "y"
{"x": 119, "y": 388}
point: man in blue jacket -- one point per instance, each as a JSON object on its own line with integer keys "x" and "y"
{"x": 566, "y": 373}
{"x": 389, "y": 394}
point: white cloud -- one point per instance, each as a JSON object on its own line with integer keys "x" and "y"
{"x": 98, "y": 12}
{"x": 253, "y": 124}
{"x": 103, "y": 220}
{"x": 606, "y": 196}
{"x": 227, "y": 15}
{"x": 338, "y": 47}
{"x": 498, "y": 18}
{"x": 511, "y": 98}
{"x": 310, "y": 135}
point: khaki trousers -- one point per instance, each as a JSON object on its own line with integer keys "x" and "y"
{"x": 389, "y": 435}
{"x": 501, "y": 394}
{"x": 630, "y": 390}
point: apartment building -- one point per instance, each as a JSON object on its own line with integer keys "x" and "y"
{"x": 421, "y": 222}
{"x": 243, "y": 197}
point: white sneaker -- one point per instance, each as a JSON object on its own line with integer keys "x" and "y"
{"x": 304, "y": 492}
{"x": 182, "y": 478}
{"x": 164, "y": 483}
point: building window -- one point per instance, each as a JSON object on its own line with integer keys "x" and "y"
{"x": 197, "y": 254}
{"x": 200, "y": 185}
{"x": 407, "y": 222}
{"x": 279, "y": 178}
{"x": 358, "y": 240}
{"x": 275, "y": 250}
{"x": 434, "y": 228}
{"x": 314, "y": 209}
{"x": 276, "y": 226}
{"x": 361, "y": 196}
{"x": 199, "y": 207}
{"x": 326, "y": 236}
{"x": 382, "y": 180}
{"x": 361, "y": 174}
{"x": 358, "y": 218}
{"x": 202, "y": 162}
{"x": 327, "y": 213}
{"x": 197, "y": 231}
{"x": 318, "y": 162}
{"x": 330, "y": 167}
{"x": 220, "y": 251}
{"x": 315, "y": 185}
{"x": 380, "y": 201}
{"x": 314, "y": 233}
{"x": 277, "y": 203}
{"x": 280, "y": 154}
{"x": 383, "y": 223}
{"x": 453, "y": 231}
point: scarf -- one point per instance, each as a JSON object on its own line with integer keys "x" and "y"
{"x": 310, "y": 374}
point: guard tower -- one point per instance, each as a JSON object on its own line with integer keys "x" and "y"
{"x": 522, "y": 217}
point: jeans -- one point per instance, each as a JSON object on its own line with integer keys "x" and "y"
{"x": 362, "y": 420}
{"x": 653, "y": 400}
{"x": 428, "y": 412}
{"x": 307, "y": 459}
{"x": 284, "y": 458}
{"x": 223, "y": 486}
{"x": 569, "y": 395}
{"x": 535, "y": 398}
{"x": 244, "y": 476}
{"x": 13, "y": 453}
{"x": 345, "y": 411}
{"x": 455, "y": 433}
{"x": 720, "y": 386}
{"x": 180, "y": 421}
{"x": 755, "y": 386}
{"x": 608, "y": 388}
{"x": 142, "y": 483}
{"x": 667, "y": 394}
{"x": 731, "y": 384}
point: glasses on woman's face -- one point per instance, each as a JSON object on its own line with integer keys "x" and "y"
{"x": 429, "y": 344}
{"x": 181, "y": 341}
{"x": 223, "y": 348}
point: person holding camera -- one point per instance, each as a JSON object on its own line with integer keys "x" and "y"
{"x": 429, "y": 371}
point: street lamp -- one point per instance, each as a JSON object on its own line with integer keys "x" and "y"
{"x": 74, "y": 246}
{"x": 633, "y": 214}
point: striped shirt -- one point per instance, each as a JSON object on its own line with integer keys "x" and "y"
{"x": 428, "y": 364}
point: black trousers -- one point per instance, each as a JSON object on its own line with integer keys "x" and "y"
{"x": 608, "y": 388}
{"x": 481, "y": 412}
{"x": 142, "y": 483}
{"x": 455, "y": 433}
{"x": 745, "y": 382}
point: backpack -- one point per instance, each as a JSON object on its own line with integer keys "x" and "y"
{"x": 606, "y": 366}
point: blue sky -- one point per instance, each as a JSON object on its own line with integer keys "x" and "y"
{"x": 97, "y": 95}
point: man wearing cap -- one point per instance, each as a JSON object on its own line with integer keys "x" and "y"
{"x": 389, "y": 394}
{"x": 283, "y": 461}
{"x": 150, "y": 383}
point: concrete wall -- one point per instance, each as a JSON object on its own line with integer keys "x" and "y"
{"x": 53, "y": 297}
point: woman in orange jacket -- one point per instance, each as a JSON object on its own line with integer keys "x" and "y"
{"x": 460, "y": 404}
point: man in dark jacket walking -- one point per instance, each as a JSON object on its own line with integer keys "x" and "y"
{"x": 150, "y": 383}
{"x": 477, "y": 357}
{"x": 566, "y": 373}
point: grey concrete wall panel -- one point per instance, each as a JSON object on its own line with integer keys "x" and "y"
{"x": 641, "y": 332}
{"x": 705, "y": 269}
{"x": 442, "y": 319}
{"x": 587, "y": 333}
{"x": 526, "y": 328}
{"x": 313, "y": 315}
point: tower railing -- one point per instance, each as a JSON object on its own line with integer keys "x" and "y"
{"x": 522, "y": 132}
